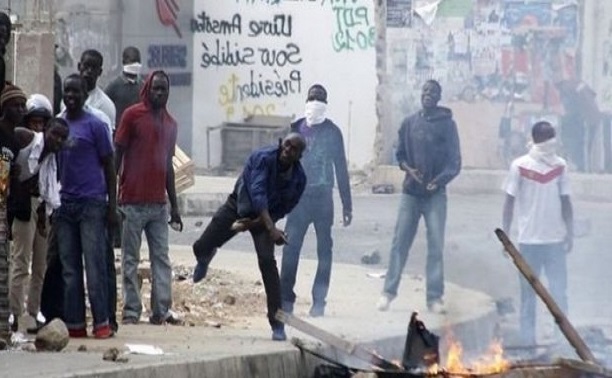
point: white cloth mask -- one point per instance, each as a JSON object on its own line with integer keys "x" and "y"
{"x": 315, "y": 112}
{"x": 546, "y": 152}
{"x": 132, "y": 68}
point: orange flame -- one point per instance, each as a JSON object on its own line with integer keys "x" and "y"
{"x": 491, "y": 362}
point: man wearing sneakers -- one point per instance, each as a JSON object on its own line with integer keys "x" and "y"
{"x": 428, "y": 151}
{"x": 538, "y": 187}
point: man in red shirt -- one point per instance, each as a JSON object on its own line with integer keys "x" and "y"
{"x": 145, "y": 143}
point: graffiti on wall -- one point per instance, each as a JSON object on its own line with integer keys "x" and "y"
{"x": 354, "y": 26}
{"x": 260, "y": 60}
{"x": 354, "y": 23}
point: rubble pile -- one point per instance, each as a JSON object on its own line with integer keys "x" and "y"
{"x": 221, "y": 299}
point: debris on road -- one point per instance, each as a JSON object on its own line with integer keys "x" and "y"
{"x": 53, "y": 337}
{"x": 223, "y": 298}
{"x": 371, "y": 258}
{"x": 145, "y": 349}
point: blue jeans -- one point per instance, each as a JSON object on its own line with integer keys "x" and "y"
{"x": 433, "y": 210}
{"x": 81, "y": 233}
{"x": 319, "y": 210}
{"x": 552, "y": 259}
{"x": 153, "y": 220}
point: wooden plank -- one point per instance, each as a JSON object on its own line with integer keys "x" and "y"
{"x": 348, "y": 347}
{"x": 585, "y": 367}
{"x": 184, "y": 170}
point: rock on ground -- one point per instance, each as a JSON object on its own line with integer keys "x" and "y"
{"x": 53, "y": 337}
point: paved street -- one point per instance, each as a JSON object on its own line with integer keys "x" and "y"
{"x": 473, "y": 255}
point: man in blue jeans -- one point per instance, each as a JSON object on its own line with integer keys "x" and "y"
{"x": 538, "y": 187}
{"x": 428, "y": 151}
{"x": 323, "y": 156}
{"x": 88, "y": 206}
{"x": 146, "y": 140}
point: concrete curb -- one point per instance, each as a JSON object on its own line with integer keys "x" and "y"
{"x": 476, "y": 334}
{"x": 588, "y": 187}
{"x": 210, "y": 192}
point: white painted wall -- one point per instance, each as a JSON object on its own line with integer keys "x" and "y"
{"x": 317, "y": 53}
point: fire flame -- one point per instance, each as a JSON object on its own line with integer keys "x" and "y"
{"x": 491, "y": 362}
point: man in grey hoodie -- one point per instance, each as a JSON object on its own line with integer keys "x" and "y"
{"x": 428, "y": 151}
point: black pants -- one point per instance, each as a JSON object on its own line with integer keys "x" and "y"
{"x": 112, "y": 281}
{"x": 52, "y": 294}
{"x": 219, "y": 231}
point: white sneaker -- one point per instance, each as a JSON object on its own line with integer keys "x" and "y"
{"x": 383, "y": 303}
{"x": 437, "y": 307}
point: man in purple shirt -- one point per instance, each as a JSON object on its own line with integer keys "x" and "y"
{"x": 89, "y": 204}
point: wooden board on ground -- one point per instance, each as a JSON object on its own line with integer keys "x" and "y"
{"x": 184, "y": 170}
{"x": 352, "y": 349}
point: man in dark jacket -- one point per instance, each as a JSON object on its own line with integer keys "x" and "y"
{"x": 270, "y": 186}
{"x": 428, "y": 151}
{"x": 324, "y": 154}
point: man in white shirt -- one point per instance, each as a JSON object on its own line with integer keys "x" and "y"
{"x": 538, "y": 186}
{"x": 90, "y": 68}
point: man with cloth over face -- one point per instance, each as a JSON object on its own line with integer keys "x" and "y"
{"x": 538, "y": 187}
{"x": 323, "y": 156}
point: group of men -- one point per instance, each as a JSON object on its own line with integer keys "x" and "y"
{"x": 69, "y": 180}
{"x": 296, "y": 179}
{"x": 61, "y": 204}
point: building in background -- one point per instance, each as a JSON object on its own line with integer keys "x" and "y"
{"x": 499, "y": 61}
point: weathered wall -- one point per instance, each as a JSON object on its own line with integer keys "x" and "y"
{"x": 165, "y": 43}
{"x": 597, "y": 50}
{"x": 242, "y": 66}
{"x": 157, "y": 27}
{"x": 31, "y": 62}
{"x": 82, "y": 25}
{"x": 485, "y": 53}
{"x": 30, "y": 52}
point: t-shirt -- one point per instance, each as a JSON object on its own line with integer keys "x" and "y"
{"x": 80, "y": 161}
{"x": 148, "y": 143}
{"x": 124, "y": 93}
{"x": 537, "y": 188}
{"x": 99, "y": 100}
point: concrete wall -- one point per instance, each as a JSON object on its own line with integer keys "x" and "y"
{"x": 30, "y": 52}
{"x": 31, "y": 62}
{"x": 165, "y": 47}
{"x": 323, "y": 41}
{"x": 111, "y": 25}
{"x": 597, "y": 50}
{"x": 463, "y": 44}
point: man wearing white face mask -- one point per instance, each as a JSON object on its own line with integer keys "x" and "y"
{"x": 538, "y": 184}
{"x": 124, "y": 90}
{"x": 323, "y": 156}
